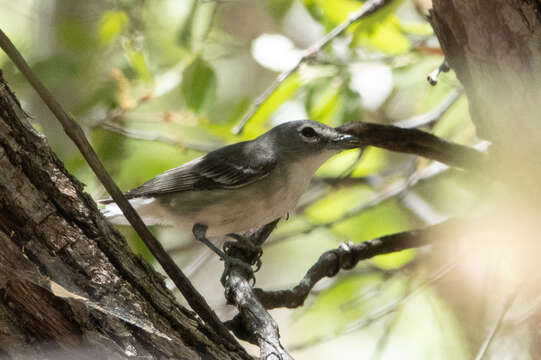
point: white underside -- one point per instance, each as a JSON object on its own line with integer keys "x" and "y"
{"x": 232, "y": 210}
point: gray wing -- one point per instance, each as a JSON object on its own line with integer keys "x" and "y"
{"x": 230, "y": 167}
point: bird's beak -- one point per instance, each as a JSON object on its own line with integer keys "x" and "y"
{"x": 345, "y": 141}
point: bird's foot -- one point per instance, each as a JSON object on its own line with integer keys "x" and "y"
{"x": 233, "y": 254}
{"x": 250, "y": 251}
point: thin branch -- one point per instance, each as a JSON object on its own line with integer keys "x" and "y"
{"x": 76, "y": 134}
{"x": 490, "y": 337}
{"x": 432, "y": 78}
{"x": 368, "y": 8}
{"x": 393, "y": 321}
{"x": 346, "y": 256}
{"x": 120, "y": 111}
{"x": 433, "y": 115}
{"x": 413, "y": 141}
{"x": 154, "y": 136}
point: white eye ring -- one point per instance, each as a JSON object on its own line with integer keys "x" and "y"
{"x": 308, "y": 132}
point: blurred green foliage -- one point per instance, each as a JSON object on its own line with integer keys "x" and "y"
{"x": 187, "y": 71}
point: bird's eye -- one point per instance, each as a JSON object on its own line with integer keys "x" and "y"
{"x": 308, "y": 132}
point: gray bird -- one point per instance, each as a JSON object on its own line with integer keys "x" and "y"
{"x": 237, "y": 187}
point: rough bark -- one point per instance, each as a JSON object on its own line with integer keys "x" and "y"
{"x": 69, "y": 285}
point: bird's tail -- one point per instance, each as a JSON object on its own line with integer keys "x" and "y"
{"x": 145, "y": 208}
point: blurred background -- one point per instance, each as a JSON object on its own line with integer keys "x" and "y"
{"x": 158, "y": 83}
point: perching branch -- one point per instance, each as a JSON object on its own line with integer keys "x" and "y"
{"x": 253, "y": 323}
{"x": 346, "y": 256}
{"x": 368, "y": 8}
{"x": 76, "y": 134}
{"x": 413, "y": 141}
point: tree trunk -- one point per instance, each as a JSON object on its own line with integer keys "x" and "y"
{"x": 494, "y": 46}
{"x": 69, "y": 285}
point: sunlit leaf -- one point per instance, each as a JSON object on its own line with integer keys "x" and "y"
{"x": 338, "y": 164}
{"x": 380, "y": 31}
{"x": 335, "y": 205}
{"x": 325, "y": 104}
{"x": 383, "y": 219}
{"x": 385, "y": 36}
{"x": 373, "y": 161}
{"x": 111, "y": 25}
{"x": 351, "y": 109}
{"x": 285, "y": 91}
{"x": 139, "y": 63}
{"x": 394, "y": 260}
{"x": 199, "y": 85}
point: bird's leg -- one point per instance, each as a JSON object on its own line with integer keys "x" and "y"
{"x": 200, "y": 231}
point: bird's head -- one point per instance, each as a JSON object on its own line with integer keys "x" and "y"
{"x": 306, "y": 137}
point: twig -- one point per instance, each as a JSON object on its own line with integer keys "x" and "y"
{"x": 368, "y": 8}
{"x": 76, "y": 134}
{"x": 346, "y": 256}
{"x": 153, "y": 136}
{"x": 413, "y": 141}
{"x": 120, "y": 111}
{"x": 490, "y": 337}
{"x": 432, "y": 78}
{"x": 433, "y": 115}
{"x": 385, "y": 337}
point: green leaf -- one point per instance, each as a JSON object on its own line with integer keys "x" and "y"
{"x": 373, "y": 161}
{"x": 394, "y": 260}
{"x": 386, "y": 218}
{"x": 351, "y": 105}
{"x": 285, "y": 91}
{"x": 199, "y": 85}
{"x": 325, "y": 104}
{"x": 139, "y": 64}
{"x": 111, "y": 25}
{"x": 385, "y": 36}
{"x": 336, "y": 204}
